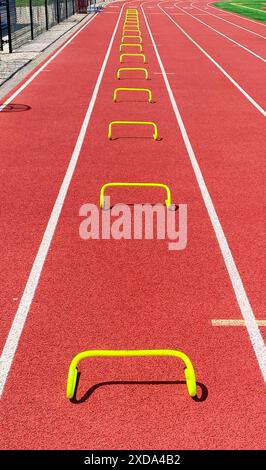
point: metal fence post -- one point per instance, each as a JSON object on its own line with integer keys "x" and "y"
{"x": 31, "y": 20}
{"x": 73, "y": 2}
{"x": 46, "y": 14}
{"x": 58, "y": 12}
{"x": 9, "y": 26}
{"x": 1, "y": 38}
{"x": 66, "y": 10}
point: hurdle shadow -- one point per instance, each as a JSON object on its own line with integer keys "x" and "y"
{"x": 87, "y": 395}
{"x": 134, "y": 78}
{"x": 134, "y": 101}
{"x": 136, "y": 137}
{"x": 13, "y": 108}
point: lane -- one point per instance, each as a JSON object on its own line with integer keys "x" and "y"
{"x": 252, "y": 43}
{"x": 239, "y": 64}
{"x": 90, "y": 296}
{"x": 35, "y": 149}
{"x": 231, "y": 156}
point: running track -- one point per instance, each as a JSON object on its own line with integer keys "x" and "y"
{"x": 133, "y": 294}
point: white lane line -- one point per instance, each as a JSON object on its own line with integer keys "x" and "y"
{"x": 22, "y": 87}
{"x": 226, "y": 74}
{"x": 224, "y": 35}
{"x": 235, "y": 322}
{"x": 16, "y": 329}
{"x": 234, "y": 24}
{"x": 239, "y": 290}
{"x": 238, "y": 16}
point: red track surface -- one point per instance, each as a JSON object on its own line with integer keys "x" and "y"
{"x": 135, "y": 294}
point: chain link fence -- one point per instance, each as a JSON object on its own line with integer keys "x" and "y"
{"x": 23, "y": 20}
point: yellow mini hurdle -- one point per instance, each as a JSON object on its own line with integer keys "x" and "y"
{"x": 188, "y": 370}
{"x": 142, "y": 123}
{"x": 128, "y": 21}
{"x": 131, "y": 29}
{"x": 131, "y": 69}
{"x": 130, "y": 45}
{"x": 132, "y": 55}
{"x": 125, "y": 37}
{"x": 145, "y": 90}
{"x": 168, "y": 201}
{"x": 131, "y": 25}
{"x": 125, "y": 30}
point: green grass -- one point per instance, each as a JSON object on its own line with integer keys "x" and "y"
{"x": 252, "y": 9}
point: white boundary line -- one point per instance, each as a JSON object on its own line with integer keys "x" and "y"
{"x": 239, "y": 290}
{"x": 249, "y": 98}
{"x": 22, "y": 87}
{"x": 16, "y": 329}
{"x": 230, "y": 22}
{"x": 237, "y": 15}
{"x": 222, "y": 34}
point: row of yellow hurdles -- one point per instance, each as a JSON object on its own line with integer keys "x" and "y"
{"x": 131, "y": 25}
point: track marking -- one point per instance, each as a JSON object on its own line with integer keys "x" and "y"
{"x": 224, "y": 35}
{"x": 230, "y": 22}
{"x": 249, "y": 98}
{"x": 239, "y": 290}
{"x": 235, "y": 322}
{"x": 16, "y": 329}
{"x": 41, "y": 69}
